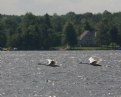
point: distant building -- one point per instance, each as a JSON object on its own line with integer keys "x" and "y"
{"x": 87, "y": 38}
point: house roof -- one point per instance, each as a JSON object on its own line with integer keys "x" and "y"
{"x": 83, "y": 35}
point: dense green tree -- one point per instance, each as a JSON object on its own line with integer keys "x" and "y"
{"x": 87, "y": 26}
{"x": 47, "y": 20}
{"x": 2, "y": 37}
{"x": 69, "y": 37}
{"x": 57, "y": 23}
{"x": 103, "y": 35}
{"x": 114, "y": 34}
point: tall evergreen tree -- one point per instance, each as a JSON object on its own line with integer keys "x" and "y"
{"x": 2, "y": 37}
{"x": 114, "y": 34}
{"x": 103, "y": 35}
{"x": 47, "y": 20}
{"x": 69, "y": 37}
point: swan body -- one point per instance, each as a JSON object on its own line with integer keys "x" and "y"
{"x": 51, "y": 62}
{"x": 94, "y": 60}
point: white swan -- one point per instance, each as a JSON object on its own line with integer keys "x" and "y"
{"x": 51, "y": 62}
{"x": 94, "y": 60}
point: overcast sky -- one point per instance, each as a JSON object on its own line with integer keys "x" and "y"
{"x": 41, "y": 7}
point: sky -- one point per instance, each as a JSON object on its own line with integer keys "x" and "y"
{"x": 60, "y": 7}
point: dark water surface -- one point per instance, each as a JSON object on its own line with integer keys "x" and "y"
{"x": 21, "y": 76}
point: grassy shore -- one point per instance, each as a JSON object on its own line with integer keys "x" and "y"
{"x": 85, "y": 48}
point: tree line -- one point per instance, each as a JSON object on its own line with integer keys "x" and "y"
{"x": 31, "y": 32}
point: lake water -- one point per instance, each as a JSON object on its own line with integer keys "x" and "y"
{"x": 22, "y": 75}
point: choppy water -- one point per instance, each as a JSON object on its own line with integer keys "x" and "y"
{"x": 21, "y": 76}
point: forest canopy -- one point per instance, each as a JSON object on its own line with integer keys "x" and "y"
{"x": 31, "y": 32}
